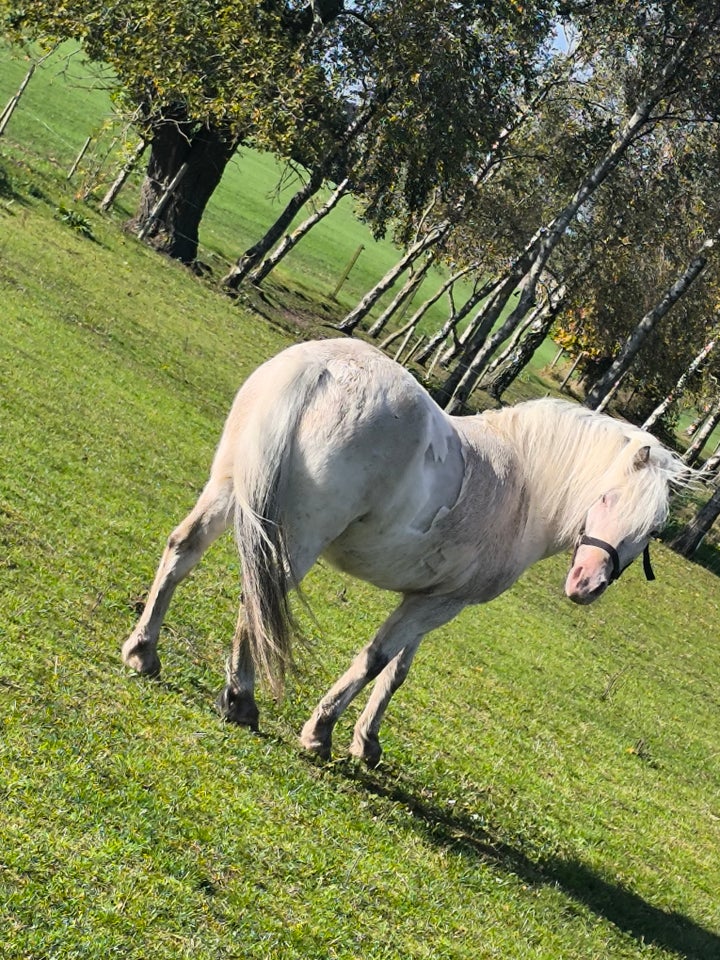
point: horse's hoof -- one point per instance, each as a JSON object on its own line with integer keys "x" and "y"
{"x": 367, "y": 749}
{"x": 239, "y": 708}
{"x": 140, "y": 658}
{"x": 315, "y": 742}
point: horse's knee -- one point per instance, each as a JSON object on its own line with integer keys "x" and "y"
{"x": 140, "y": 655}
{"x": 238, "y": 707}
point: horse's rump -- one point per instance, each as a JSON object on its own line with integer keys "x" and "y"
{"x": 325, "y": 443}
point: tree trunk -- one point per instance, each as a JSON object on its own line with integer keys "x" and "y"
{"x": 473, "y": 371}
{"x": 12, "y": 103}
{"x": 703, "y": 433}
{"x": 454, "y": 315}
{"x": 292, "y": 239}
{"x": 488, "y": 289}
{"x": 486, "y": 318}
{"x": 416, "y": 250}
{"x": 206, "y": 151}
{"x": 711, "y": 465}
{"x": 693, "y": 534}
{"x": 662, "y": 408}
{"x": 254, "y": 254}
{"x": 521, "y": 351}
{"x": 621, "y": 364}
{"x": 403, "y": 299}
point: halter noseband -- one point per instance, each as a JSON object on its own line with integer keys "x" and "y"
{"x": 613, "y": 554}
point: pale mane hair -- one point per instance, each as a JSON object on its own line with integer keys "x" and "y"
{"x": 571, "y": 456}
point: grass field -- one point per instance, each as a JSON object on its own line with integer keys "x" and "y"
{"x": 551, "y": 781}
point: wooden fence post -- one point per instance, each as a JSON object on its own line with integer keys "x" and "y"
{"x": 14, "y": 100}
{"x": 346, "y": 271}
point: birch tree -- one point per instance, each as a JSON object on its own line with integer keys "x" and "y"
{"x": 338, "y": 158}
{"x": 703, "y": 433}
{"x": 508, "y": 366}
{"x": 694, "y": 532}
{"x": 290, "y": 240}
{"x": 446, "y": 287}
{"x": 646, "y": 325}
{"x": 441, "y": 222}
{"x": 679, "y": 388}
{"x": 662, "y": 85}
{"x": 286, "y": 86}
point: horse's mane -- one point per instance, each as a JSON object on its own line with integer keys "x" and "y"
{"x": 572, "y": 455}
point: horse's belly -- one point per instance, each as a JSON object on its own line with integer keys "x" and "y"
{"x": 445, "y": 560}
{"x": 404, "y": 564}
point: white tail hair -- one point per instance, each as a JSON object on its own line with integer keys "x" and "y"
{"x": 263, "y": 448}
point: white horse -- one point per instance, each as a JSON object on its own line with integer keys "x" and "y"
{"x": 331, "y": 449}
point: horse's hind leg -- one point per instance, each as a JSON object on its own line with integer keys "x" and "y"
{"x": 211, "y": 516}
{"x": 236, "y": 701}
{"x": 388, "y": 657}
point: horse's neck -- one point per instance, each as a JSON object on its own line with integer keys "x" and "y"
{"x": 541, "y": 481}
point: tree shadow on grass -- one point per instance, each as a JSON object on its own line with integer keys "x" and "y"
{"x": 629, "y": 912}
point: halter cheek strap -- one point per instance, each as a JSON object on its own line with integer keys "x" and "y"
{"x": 613, "y": 554}
{"x": 647, "y": 566}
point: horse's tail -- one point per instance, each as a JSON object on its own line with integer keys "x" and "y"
{"x": 263, "y": 448}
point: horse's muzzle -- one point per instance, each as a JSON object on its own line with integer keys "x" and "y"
{"x": 584, "y": 585}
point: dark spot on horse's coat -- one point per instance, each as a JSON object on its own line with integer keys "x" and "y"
{"x": 189, "y": 540}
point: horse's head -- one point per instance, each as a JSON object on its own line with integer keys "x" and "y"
{"x": 610, "y": 540}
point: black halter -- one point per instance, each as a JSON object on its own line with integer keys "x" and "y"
{"x": 613, "y": 554}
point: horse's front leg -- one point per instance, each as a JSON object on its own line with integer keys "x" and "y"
{"x": 391, "y": 650}
{"x": 209, "y": 518}
{"x": 236, "y": 701}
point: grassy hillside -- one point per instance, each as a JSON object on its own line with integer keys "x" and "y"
{"x": 67, "y": 101}
{"x": 551, "y": 782}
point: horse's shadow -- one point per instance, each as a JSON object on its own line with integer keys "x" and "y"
{"x": 629, "y": 912}
{"x": 453, "y": 830}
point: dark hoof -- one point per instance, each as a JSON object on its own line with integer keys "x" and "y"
{"x": 238, "y": 708}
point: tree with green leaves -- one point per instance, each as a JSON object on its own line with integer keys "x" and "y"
{"x": 665, "y": 62}
{"x": 648, "y": 232}
{"x": 207, "y": 76}
{"x": 201, "y": 78}
{"x": 638, "y": 336}
{"x": 687, "y": 541}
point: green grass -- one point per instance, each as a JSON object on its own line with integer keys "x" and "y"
{"x": 551, "y": 781}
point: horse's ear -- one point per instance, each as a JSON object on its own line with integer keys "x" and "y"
{"x": 642, "y": 458}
